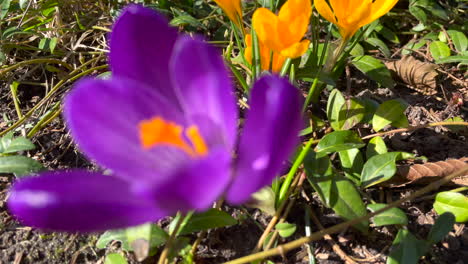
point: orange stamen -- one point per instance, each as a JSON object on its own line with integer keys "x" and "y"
{"x": 157, "y": 131}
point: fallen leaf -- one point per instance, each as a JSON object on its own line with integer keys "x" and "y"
{"x": 428, "y": 172}
{"x": 420, "y": 76}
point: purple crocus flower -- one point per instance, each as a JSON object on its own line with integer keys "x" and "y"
{"x": 165, "y": 125}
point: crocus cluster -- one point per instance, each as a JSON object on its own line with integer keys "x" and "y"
{"x": 280, "y": 36}
{"x": 165, "y": 125}
{"x": 350, "y": 15}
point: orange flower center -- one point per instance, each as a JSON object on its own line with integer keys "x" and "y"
{"x": 157, "y": 131}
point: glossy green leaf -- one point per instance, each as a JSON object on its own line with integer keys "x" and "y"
{"x": 459, "y": 40}
{"x": 339, "y": 141}
{"x": 4, "y": 6}
{"x": 389, "y": 112}
{"x": 352, "y": 163}
{"x": 334, "y": 114}
{"x": 387, "y": 33}
{"x": 17, "y": 144}
{"x": 375, "y": 69}
{"x": 285, "y": 229}
{"x": 379, "y": 168}
{"x": 418, "y": 13}
{"x": 210, "y": 219}
{"x": 412, "y": 45}
{"x": 113, "y": 235}
{"x": 406, "y": 248}
{"x": 264, "y": 199}
{"x": 115, "y": 258}
{"x": 19, "y": 165}
{"x": 375, "y": 146}
{"x": 357, "y": 50}
{"x": 461, "y": 59}
{"x": 353, "y": 112}
{"x": 370, "y": 107}
{"x": 441, "y": 227}
{"x": 392, "y": 216}
{"x": 5, "y": 141}
{"x": 335, "y": 191}
{"x": 144, "y": 238}
{"x": 149, "y": 232}
{"x": 186, "y": 19}
{"x": 453, "y": 202}
{"x": 439, "y": 50}
{"x": 380, "y": 45}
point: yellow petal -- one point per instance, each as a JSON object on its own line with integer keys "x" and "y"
{"x": 265, "y": 24}
{"x": 380, "y": 8}
{"x": 324, "y": 10}
{"x": 294, "y": 18}
{"x": 296, "y": 50}
{"x": 248, "y": 54}
{"x": 340, "y": 8}
{"x": 233, "y": 10}
{"x": 278, "y": 62}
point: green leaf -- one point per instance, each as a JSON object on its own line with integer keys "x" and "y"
{"x": 406, "y": 249}
{"x": 453, "y": 202}
{"x": 412, "y": 45}
{"x": 462, "y": 59}
{"x": 212, "y": 218}
{"x": 380, "y": 45}
{"x": 144, "y": 238}
{"x": 387, "y": 33}
{"x": 19, "y": 165}
{"x": 379, "y": 168}
{"x": 115, "y": 258}
{"x": 4, "y": 6}
{"x": 157, "y": 237}
{"x": 339, "y": 141}
{"x": 441, "y": 227}
{"x": 418, "y": 13}
{"x": 18, "y": 144}
{"x": 389, "y": 112}
{"x": 459, "y": 40}
{"x": 357, "y": 50}
{"x": 186, "y": 19}
{"x": 354, "y": 112}
{"x": 392, "y": 216}
{"x": 370, "y": 107}
{"x": 375, "y": 69}
{"x": 439, "y": 50}
{"x": 285, "y": 229}
{"x": 375, "y": 146}
{"x": 335, "y": 191}
{"x": 334, "y": 114}
{"x": 264, "y": 199}
{"x": 5, "y": 141}
{"x": 352, "y": 163}
{"x": 346, "y": 202}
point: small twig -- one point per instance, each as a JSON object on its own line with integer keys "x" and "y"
{"x": 330, "y": 240}
{"x": 275, "y": 218}
{"x": 399, "y": 130}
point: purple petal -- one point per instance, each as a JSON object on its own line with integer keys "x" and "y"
{"x": 204, "y": 87}
{"x": 195, "y": 186}
{"x": 270, "y": 133}
{"x": 78, "y": 201}
{"x": 103, "y": 118}
{"x": 141, "y": 45}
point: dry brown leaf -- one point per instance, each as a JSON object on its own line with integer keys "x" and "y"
{"x": 428, "y": 172}
{"x": 420, "y": 76}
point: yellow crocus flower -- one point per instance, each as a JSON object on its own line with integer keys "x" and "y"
{"x": 233, "y": 10}
{"x": 266, "y": 56}
{"x": 350, "y": 15}
{"x": 283, "y": 33}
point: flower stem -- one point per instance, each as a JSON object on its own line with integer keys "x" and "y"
{"x": 170, "y": 241}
